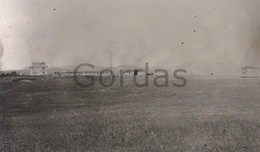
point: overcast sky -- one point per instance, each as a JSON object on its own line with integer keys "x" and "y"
{"x": 202, "y": 35}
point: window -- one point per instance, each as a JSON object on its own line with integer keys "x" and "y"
{"x": 244, "y": 71}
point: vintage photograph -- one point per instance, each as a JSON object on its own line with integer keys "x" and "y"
{"x": 130, "y": 75}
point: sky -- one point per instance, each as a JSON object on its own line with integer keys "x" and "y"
{"x": 202, "y": 36}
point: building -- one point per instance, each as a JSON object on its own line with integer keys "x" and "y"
{"x": 38, "y": 68}
{"x": 138, "y": 72}
{"x": 250, "y": 72}
{"x": 82, "y": 73}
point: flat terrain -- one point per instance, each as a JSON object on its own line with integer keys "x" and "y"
{"x": 54, "y": 114}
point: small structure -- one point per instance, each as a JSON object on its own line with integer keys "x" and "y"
{"x": 82, "y": 73}
{"x": 138, "y": 72}
{"x": 38, "y": 69}
{"x": 250, "y": 72}
{"x": 128, "y": 73}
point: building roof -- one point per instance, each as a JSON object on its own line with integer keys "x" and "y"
{"x": 35, "y": 66}
{"x": 249, "y": 67}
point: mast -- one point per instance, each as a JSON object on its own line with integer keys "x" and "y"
{"x": 158, "y": 62}
{"x": 110, "y": 60}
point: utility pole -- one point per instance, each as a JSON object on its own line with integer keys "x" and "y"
{"x": 110, "y": 60}
{"x": 158, "y": 62}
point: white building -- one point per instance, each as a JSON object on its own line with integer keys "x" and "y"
{"x": 82, "y": 73}
{"x": 38, "y": 68}
{"x": 250, "y": 72}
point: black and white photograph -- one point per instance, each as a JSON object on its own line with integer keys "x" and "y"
{"x": 130, "y": 75}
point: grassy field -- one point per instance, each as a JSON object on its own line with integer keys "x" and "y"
{"x": 54, "y": 114}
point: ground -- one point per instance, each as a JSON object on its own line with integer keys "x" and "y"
{"x": 55, "y": 114}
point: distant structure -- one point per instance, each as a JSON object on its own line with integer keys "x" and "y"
{"x": 38, "y": 69}
{"x": 139, "y": 72}
{"x": 250, "y": 72}
{"x": 83, "y": 73}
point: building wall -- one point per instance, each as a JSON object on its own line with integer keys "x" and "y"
{"x": 250, "y": 72}
{"x": 38, "y": 68}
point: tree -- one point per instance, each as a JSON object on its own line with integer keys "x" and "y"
{"x": 13, "y": 73}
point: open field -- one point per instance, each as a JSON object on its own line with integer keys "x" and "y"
{"x": 54, "y": 114}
